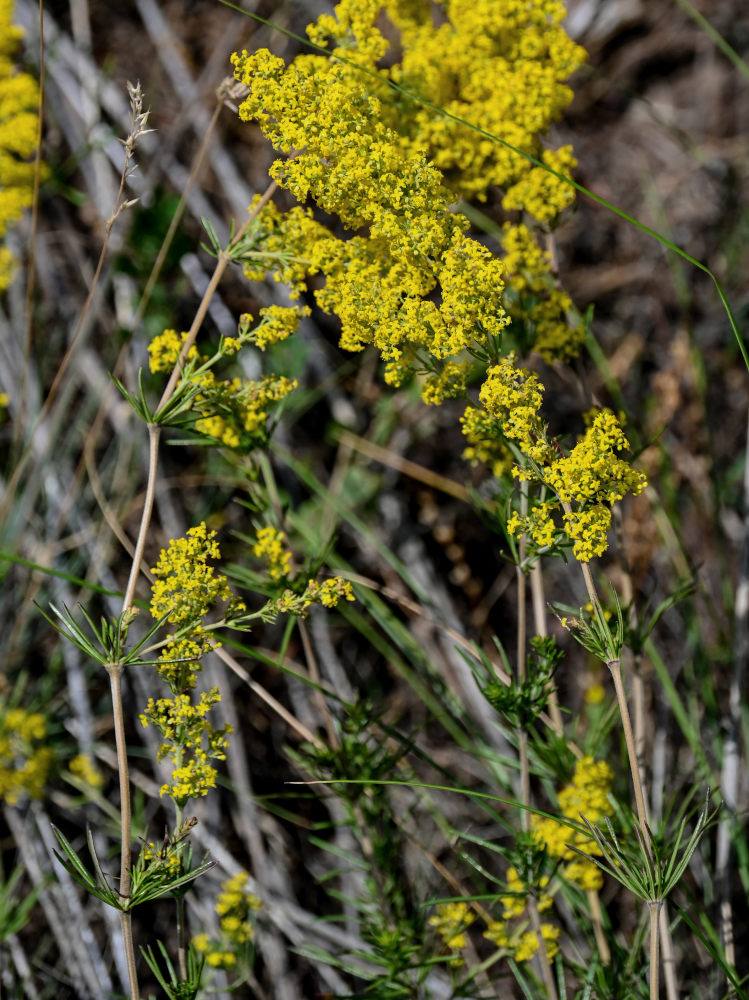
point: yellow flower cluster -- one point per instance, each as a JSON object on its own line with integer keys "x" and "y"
{"x": 271, "y": 547}
{"x": 514, "y": 901}
{"x": 451, "y": 921}
{"x": 186, "y": 587}
{"x": 382, "y": 285}
{"x": 520, "y": 944}
{"x": 232, "y": 411}
{"x": 450, "y": 383}
{"x": 24, "y": 761}
{"x": 329, "y": 593}
{"x": 391, "y": 168}
{"x": 236, "y": 907}
{"x": 536, "y": 302}
{"x": 278, "y": 323}
{"x": 527, "y": 946}
{"x": 86, "y": 771}
{"x": 592, "y": 476}
{"x": 513, "y": 396}
{"x": 496, "y": 63}
{"x": 236, "y": 410}
{"x": 19, "y": 98}
{"x": 163, "y": 350}
{"x": 486, "y": 443}
{"x": 541, "y": 193}
{"x": 587, "y": 795}
{"x": 190, "y": 742}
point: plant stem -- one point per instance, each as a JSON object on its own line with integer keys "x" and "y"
{"x": 616, "y": 673}
{"x": 525, "y": 776}
{"x": 180, "y": 901}
{"x": 224, "y": 259}
{"x": 154, "y": 434}
{"x": 595, "y": 914}
{"x": 525, "y": 771}
{"x": 539, "y": 623}
{"x": 115, "y": 681}
{"x": 655, "y": 910}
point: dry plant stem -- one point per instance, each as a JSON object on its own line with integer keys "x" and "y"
{"x": 615, "y": 669}
{"x": 616, "y": 673}
{"x": 539, "y": 622}
{"x": 115, "y": 680}
{"x": 638, "y": 726}
{"x": 655, "y": 910}
{"x": 525, "y": 773}
{"x": 638, "y": 687}
{"x": 154, "y": 434}
{"x": 319, "y": 697}
{"x": 594, "y": 902}
{"x": 548, "y": 975}
{"x": 222, "y": 263}
{"x": 539, "y": 619}
{"x": 180, "y": 906}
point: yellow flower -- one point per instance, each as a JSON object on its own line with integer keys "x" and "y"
{"x": 587, "y": 795}
{"x": 83, "y": 767}
{"x": 19, "y": 99}
{"x": 451, "y": 922}
{"x": 271, "y": 547}
{"x": 25, "y": 762}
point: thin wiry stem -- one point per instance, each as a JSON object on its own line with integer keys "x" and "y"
{"x": 115, "y": 679}
{"x": 615, "y": 669}
{"x": 539, "y": 623}
{"x": 639, "y": 732}
{"x": 525, "y": 773}
{"x": 655, "y": 910}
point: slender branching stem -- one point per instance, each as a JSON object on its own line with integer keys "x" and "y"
{"x": 224, "y": 259}
{"x": 525, "y": 771}
{"x": 115, "y": 681}
{"x": 539, "y": 624}
{"x": 180, "y": 901}
{"x": 615, "y": 668}
{"x": 616, "y": 673}
{"x": 154, "y": 434}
